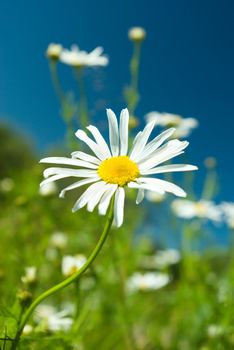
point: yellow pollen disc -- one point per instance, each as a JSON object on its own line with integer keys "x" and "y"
{"x": 118, "y": 170}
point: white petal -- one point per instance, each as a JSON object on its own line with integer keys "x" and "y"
{"x": 169, "y": 168}
{"x": 105, "y": 200}
{"x": 68, "y": 161}
{"x": 123, "y": 132}
{"x": 70, "y": 172}
{"x": 166, "y": 186}
{"x": 153, "y": 145}
{"x": 86, "y": 157}
{"x": 63, "y": 175}
{"x": 96, "y": 197}
{"x": 80, "y": 134}
{"x": 119, "y": 206}
{"x": 170, "y": 150}
{"x": 142, "y": 140}
{"x": 87, "y": 195}
{"x": 113, "y": 132}
{"x": 145, "y": 186}
{"x": 78, "y": 184}
{"x": 140, "y": 196}
{"x": 100, "y": 140}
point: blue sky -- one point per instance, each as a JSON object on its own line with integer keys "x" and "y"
{"x": 187, "y": 65}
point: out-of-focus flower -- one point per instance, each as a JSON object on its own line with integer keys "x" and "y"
{"x": 137, "y": 34}
{"x": 228, "y": 211}
{"x": 6, "y": 184}
{"x": 112, "y": 170}
{"x": 28, "y": 329}
{"x": 183, "y": 126}
{"x": 58, "y": 240}
{"x": 54, "y": 51}
{"x": 52, "y": 320}
{"x": 162, "y": 259}
{"x": 210, "y": 162}
{"x": 147, "y": 281}
{"x": 77, "y": 58}
{"x": 214, "y": 330}
{"x": 71, "y": 264}
{"x": 155, "y": 197}
{"x": 48, "y": 190}
{"x": 187, "y": 209}
{"x": 30, "y": 275}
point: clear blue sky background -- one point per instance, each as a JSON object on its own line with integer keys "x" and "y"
{"x": 187, "y": 65}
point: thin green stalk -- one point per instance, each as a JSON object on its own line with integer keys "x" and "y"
{"x": 68, "y": 280}
{"x": 83, "y": 117}
{"x": 132, "y": 91}
{"x": 55, "y": 80}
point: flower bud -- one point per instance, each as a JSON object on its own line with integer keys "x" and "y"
{"x": 137, "y": 34}
{"x": 53, "y": 51}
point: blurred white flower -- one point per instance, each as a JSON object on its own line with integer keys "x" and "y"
{"x": 54, "y": 51}
{"x": 111, "y": 170}
{"x": 228, "y": 211}
{"x": 137, "y": 34}
{"x": 147, "y": 281}
{"x": 183, "y": 126}
{"x": 58, "y": 240}
{"x": 188, "y": 209}
{"x": 30, "y": 275}
{"x": 214, "y": 330}
{"x": 48, "y": 190}
{"x": 71, "y": 264}
{"x": 155, "y": 197}
{"x": 6, "y": 184}
{"x": 77, "y": 58}
{"x": 162, "y": 259}
{"x": 27, "y": 329}
{"x": 52, "y": 320}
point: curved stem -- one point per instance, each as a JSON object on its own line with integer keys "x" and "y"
{"x": 68, "y": 280}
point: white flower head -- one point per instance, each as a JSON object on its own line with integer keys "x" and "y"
{"x": 228, "y": 211}
{"x": 77, "y": 58}
{"x": 147, "y": 281}
{"x": 162, "y": 259}
{"x": 54, "y": 51}
{"x": 137, "y": 34}
{"x": 52, "y": 320}
{"x": 6, "y": 184}
{"x": 58, "y": 240}
{"x": 188, "y": 209}
{"x": 155, "y": 197}
{"x": 28, "y": 329}
{"x": 109, "y": 171}
{"x": 71, "y": 264}
{"x": 30, "y": 275}
{"x": 48, "y": 190}
{"x": 183, "y": 126}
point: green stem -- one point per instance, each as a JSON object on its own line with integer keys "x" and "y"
{"x": 68, "y": 280}
{"x": 134, "y": 69}
{"x": 83, "y": 117}
{"x": 55, "y": 80}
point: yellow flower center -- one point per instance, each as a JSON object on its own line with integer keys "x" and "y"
{"x": 118, "y": 170}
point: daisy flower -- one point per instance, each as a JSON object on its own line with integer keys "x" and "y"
{"x": 184, "y": 126}
{"x": 110, "y": 170}
{"x": 71, "y": 264}
{"x": 188, "y": 209}
{"x": 52, "y": 320}
{"x": 147, "y": 281}
{"x": 77, "y": 58}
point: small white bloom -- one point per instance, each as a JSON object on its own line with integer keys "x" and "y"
{"x": 58, "y": 240}
{"x": 162, "y": 259}
{"x": 147, "y": 281}
{"x": 77, "y": 58}
{"x": 48, "y": 190}
{"x": 30, "y": 275}
{"x": 228, "y": 211}
{"x": 214, "y": 331}
{"x": 6, "y": 184}
{"x": 54, "y": 51}
{"x": 71, "y": 264}
{"x": 137, "y": 34}
{"x": 28, "y": 329}
{"x": 183, "y": 126}
{"x": 187, "y": 209}
{"x": 110, "y": 170}
{"x": 155, "y": 197}
{"x": 52, "y": 320}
